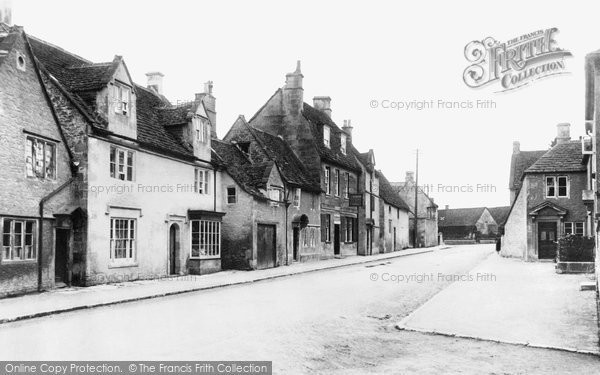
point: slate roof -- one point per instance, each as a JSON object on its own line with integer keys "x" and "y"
{"x": 240, "y": 168}
{"x": 333, "y": 154}
{"x": 500, "y": 214}
{"x": 459, "y": 217}
{"x": 563, "y": 157}
{"x": 388, "y": 194}
{"x": 519, "y": 163}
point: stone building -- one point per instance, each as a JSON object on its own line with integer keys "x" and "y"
{"x": 324, "y": 149}
{"x": 271, "y": 201}
{"x": 550, "y": 202}
{"x": 427, "y": 216}
{"x": 36, "y": 163}
{"x": 141, "y": 197}
{"x": 466, "y": 223}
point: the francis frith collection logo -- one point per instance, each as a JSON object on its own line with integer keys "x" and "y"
{"x": 514, "y": 63}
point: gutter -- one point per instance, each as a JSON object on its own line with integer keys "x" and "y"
{"x": 41, "y": 228}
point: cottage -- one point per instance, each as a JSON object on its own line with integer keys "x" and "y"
{"x": 426, "y": 219}
{"x": 469, "y": 224}
{"x": 138, "y": 186}
{"x": 271, "y": 201}
{"x": 550, "y": 200}
{"x": 324, "y": 149}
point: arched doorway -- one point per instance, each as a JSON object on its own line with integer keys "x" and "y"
{"x": 174, "y": 249}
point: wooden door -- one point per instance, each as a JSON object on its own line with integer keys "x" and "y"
{"x": 547, "y": 233}
{"x": 266, "y": 246}
{"x": 61, "y": 256}
{"x": 336, "y": 239}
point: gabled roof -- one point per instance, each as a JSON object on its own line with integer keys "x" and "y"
{"x": 333, "y": 154}
{"x": 271, "y": 148}
{"x": 500, "y": 214}
{"x": 459, "y": 217}
{"x": 519, "y": 163}
{"x": 388, "y": 194}
{"x": 407, "y": 187}
{"x": 249, "y": 176}
{"x": 563, "y": 157}
{"x": 80, "y": 80}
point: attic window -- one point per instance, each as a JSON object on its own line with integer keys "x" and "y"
{"x": 121, "y": 96}
{"x": 20, "y": 62}
{"x": 326, "y": 136}
{"x": 343, "y": 144}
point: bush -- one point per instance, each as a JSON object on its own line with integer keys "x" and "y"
{"x": 573, "y": 248}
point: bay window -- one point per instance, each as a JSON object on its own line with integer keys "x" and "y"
{"x": 206, "y": 239}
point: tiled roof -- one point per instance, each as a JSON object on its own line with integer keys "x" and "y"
{"x": 500, "y": 214}
{"x": 459, "y": 216}
{"x": 177, "y": 115}
{"x": 563, "y": 157}
{"x": 333, "y": 154}
{"x": 240, "y": 168}
{"x": 81, "y": 79}
{"x": 389, "y": 195}
{"x": 519, "y": 163}
{"x": 292, "y": 170}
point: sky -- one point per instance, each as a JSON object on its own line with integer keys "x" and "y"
{"x": 358, "y": 53}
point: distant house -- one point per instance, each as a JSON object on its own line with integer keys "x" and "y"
{"x": 500, "y": 214}
{"x": 427, "y": 217}
{"x": 466, "y": 223}
{"x": 551, "y": 199}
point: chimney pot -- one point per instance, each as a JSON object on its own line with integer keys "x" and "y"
{"x": 563, "y": 132}
{"x": 410, "y": 176}
{"x": 447, "y": 206}
{"x": 155, "y": 82}
{"x": 347, "y": 127}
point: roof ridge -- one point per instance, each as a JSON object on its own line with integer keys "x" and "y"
{"x": 60, "y": 48}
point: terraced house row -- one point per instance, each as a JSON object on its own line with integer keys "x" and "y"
{"x": 105, "y": 180}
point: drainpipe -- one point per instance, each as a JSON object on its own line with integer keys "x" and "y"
{"x": 41, "y": 228}
{"x": 215, "y": 190}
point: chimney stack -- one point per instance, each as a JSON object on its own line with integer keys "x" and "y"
{"x": 563, "y": 133}
{"x": 347, "y": 128}
{"x": 293, "y": 93}
{"x": 410, "y": 176}
{"x": 323, "y": 103}
{"x": 6, "y": 12}
{"x": 155, "y": 82}
{"x": 516, "y": 147}
{"x": 210, "y": 103}
{"x": 447, "y": 206}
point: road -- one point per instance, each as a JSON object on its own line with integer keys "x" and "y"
{"x": 336, "y": 321}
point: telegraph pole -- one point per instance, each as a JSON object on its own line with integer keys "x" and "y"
{"x": 416, "y": 213}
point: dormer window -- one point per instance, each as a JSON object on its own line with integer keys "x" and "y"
{"x": 326, "y": 136}
{"x": 343, "y": 144}
{"x": 121, "y": 95}
{"x": 200, "y": 130}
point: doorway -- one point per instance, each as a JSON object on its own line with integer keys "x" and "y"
{"x": 296, "y": 242}
{"x": 174, "y": 249}
{"x": 369, "y": 240}
{"x": 394, "y": 248}
{"x": 61, "y": 257}
{"x": 547, "y": 232}
{"x": 266, "y": 246}
{"x": 336, "y": 239}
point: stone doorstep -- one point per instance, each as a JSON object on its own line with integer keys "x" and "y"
{"x": 587, "y": 285}
{"x": 575, "y": 267}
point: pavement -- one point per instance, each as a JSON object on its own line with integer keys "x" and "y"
{"x": 77, "y": 298}
{"x": 511, "y": 301}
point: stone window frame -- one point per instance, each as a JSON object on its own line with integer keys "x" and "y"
{"x": 297, "y": 197}
{"x": 130, "y": 257}
{"x": 327, "y": 136}
{"x": 343, "y": 140}
{"x": 115, "y": 164}
{"x": 202, "y": 184}
{"x": 122, "y": 107}
{"x": 31, "y": 157}
{"x": 573, "y": 228}
{"x": 229, "y": 196}
{"x": 327, "y": 180}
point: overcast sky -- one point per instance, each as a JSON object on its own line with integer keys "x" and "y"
{"x": 355, "y": 54}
